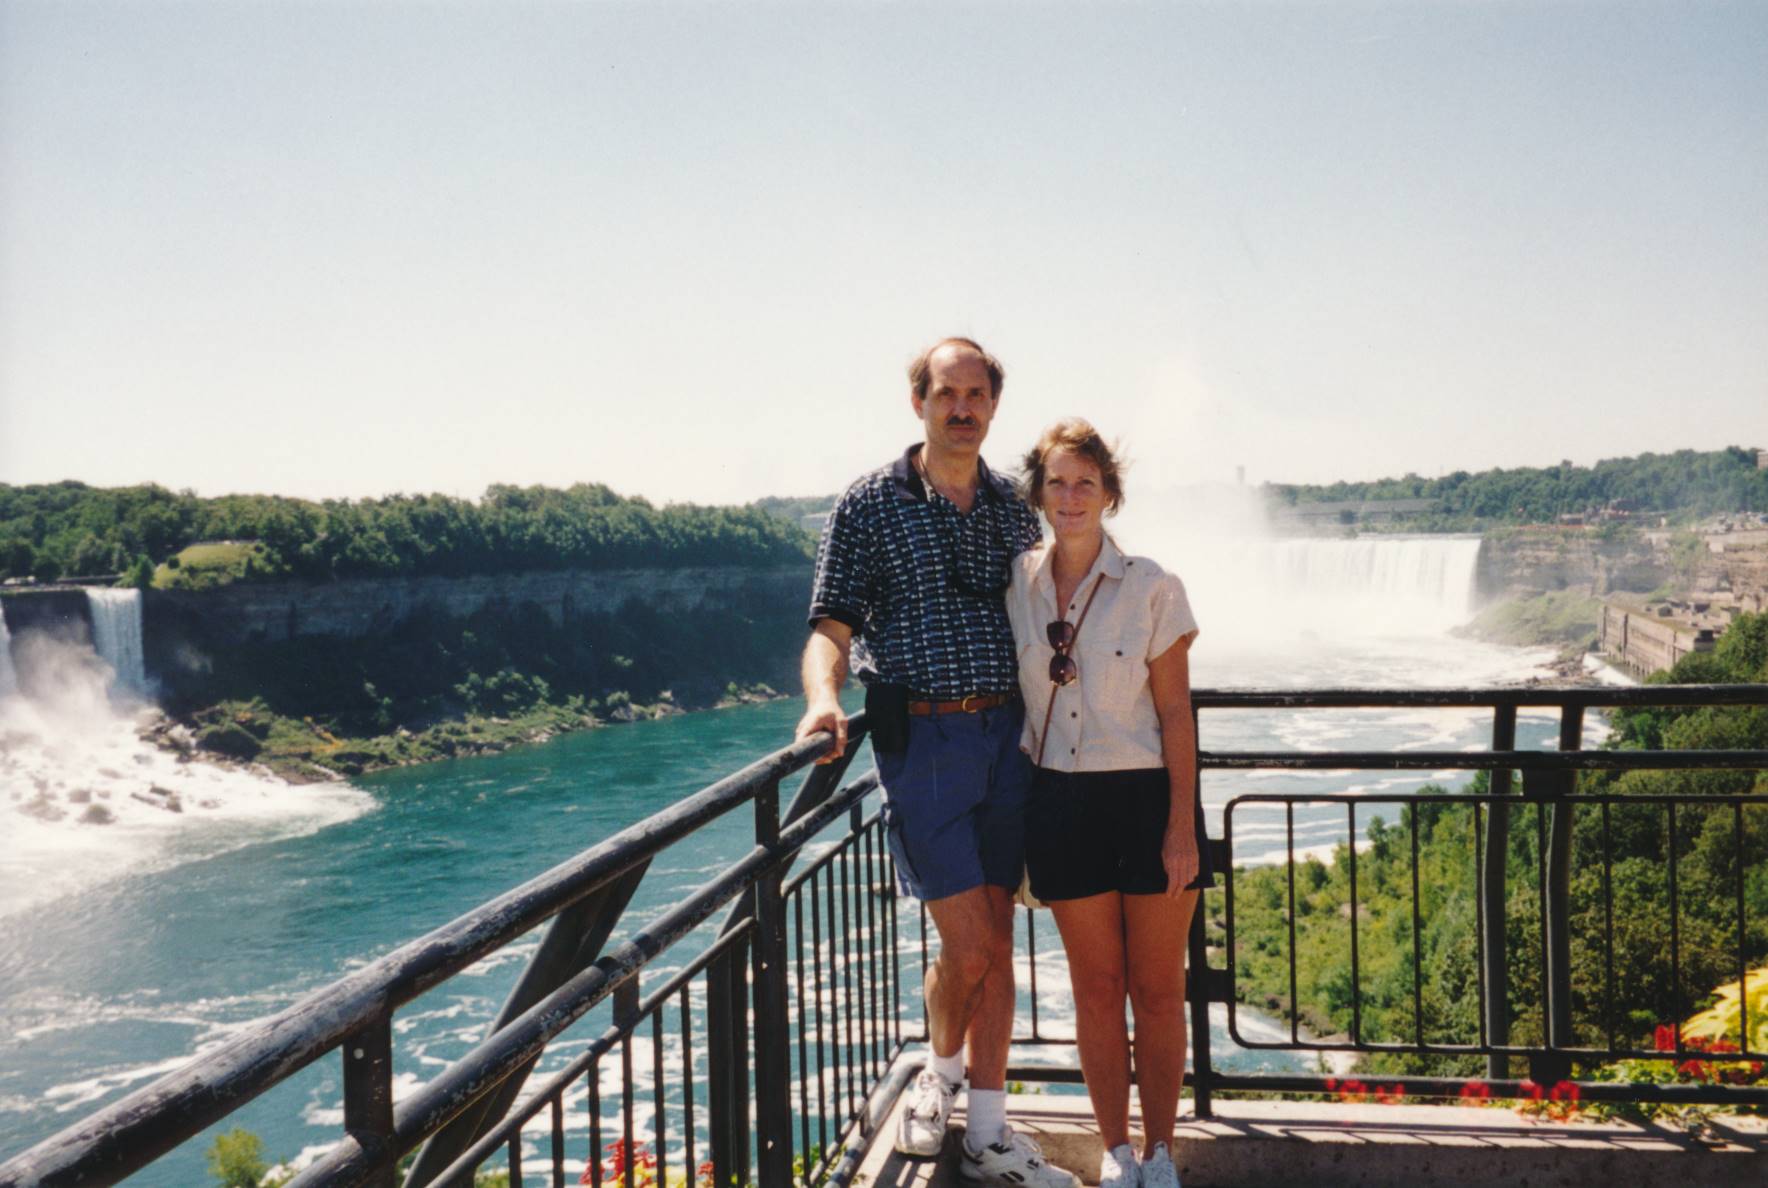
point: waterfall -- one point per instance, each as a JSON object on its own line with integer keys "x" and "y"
{"x": 1418, "y": 584}
{"x": 116, "y": 634}
{"x": 1250, "y": 589}
{"x": 8, "y": 676}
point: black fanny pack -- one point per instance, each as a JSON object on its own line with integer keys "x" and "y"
{"x": 887, "y": 717}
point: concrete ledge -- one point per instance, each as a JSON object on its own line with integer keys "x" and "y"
{"x": 1259, "y": 1143}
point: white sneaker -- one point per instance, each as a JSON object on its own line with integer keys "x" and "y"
{"x": 1158, "y": 1170}
{"x": 921, "y": 1131}
{"x": 1013, "y": 1162}
{"x": 1117, "y": 1168}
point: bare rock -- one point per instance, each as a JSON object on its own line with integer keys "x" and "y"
{"x": 169, "y": 801}
{"x": 97, "y": 814}
{"x": 43, "y": 808}
{"x": 80, "y": 796}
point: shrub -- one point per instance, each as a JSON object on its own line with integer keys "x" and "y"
{"x": 236, "y": 1159}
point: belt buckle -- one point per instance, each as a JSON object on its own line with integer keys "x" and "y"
{"x": 964, "y": 705}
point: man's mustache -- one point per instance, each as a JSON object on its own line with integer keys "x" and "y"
{"x": 954, "y": 422}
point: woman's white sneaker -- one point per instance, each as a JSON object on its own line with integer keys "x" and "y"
{"x": 921, "y": 1130}
{"x": 1117, "y": 1168}
{"x": 1158, "y": 1170}
{"x": 1013, "y": 1162}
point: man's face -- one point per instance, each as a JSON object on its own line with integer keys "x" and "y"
{"x": 959, "y": 403}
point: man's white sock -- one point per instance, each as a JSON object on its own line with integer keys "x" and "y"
{"x": 985, "y": 1117}
{"x": 950, "y": 1067}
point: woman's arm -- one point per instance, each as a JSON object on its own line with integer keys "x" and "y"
{"x": 1169, "y": 678}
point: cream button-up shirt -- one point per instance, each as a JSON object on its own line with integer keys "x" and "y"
{"x": 1105, "y": 719}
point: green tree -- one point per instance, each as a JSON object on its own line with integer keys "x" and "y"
{"x": 139, "y": 575}
{"x": 17, "y": 557}
{"x": 236, "y": 1159}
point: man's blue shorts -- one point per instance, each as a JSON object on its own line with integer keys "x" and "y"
{"x": 954, "y": 802}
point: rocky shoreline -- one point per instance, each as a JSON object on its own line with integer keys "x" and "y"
{"x": 248, "y": 736}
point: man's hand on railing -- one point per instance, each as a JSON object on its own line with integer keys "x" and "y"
{"x": 825, "y": 716}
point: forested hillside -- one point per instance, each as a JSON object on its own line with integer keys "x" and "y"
{"x": 1687, "y": 483}
{"x": 70, "y": 529}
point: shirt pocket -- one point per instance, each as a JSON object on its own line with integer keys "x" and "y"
{"x": 1117, "y": 671}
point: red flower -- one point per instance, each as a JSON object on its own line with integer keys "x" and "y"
{"x": 1353, "y": 1092}
{"x": 1531, "y": 1090}
{"x": 1475, "y": 1092}
{"x": 1390, "y": 1094}
{"x": 1664, "y": 1038}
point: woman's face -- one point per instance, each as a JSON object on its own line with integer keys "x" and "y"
{"x": 1073, "y": 494}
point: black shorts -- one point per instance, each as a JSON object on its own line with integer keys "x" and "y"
{"x": 1089, "y": 832}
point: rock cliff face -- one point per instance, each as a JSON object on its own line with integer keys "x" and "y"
{"x": 1526, "y": 561}
{"x": 1734, "y": 569}
{"x": 272, "y": 612}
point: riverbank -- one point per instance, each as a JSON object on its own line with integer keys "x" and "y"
{"x": 248, "y": 734}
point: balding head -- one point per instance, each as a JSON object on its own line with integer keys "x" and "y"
{"x": 921, "y": 370}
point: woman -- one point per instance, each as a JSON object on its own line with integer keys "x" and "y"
{"x": 1114, "y": 831}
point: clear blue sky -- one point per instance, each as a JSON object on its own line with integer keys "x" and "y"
{"x": 355, "y": 248}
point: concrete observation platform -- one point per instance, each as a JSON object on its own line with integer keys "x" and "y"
{"x": 1256, "y": 1144}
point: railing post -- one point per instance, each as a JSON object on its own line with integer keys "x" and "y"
{"x": 1493, "y": 866}
{"x": 1556, "y": 1067}
{"x": 1199, "y": 984}
{"x": 1198, "y": 991}
{"x": 727, "y": 1073}
{"x": 773, "y": 1030}
{"x": 368, "y": 1094}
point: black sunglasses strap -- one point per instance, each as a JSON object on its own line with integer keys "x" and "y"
{"x": 1043, "y": 738}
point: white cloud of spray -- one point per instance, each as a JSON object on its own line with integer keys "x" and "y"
{"x": 86, "y": 799}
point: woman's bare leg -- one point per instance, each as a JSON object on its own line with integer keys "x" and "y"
{"x": 1155, "y": 930}
{"x": 1092, "y": 933}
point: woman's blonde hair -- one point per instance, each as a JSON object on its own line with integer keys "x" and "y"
{"x": 1079, "y": 437}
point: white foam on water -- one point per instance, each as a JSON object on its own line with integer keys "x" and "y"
{"x": 74, "y": 1094}
{"x": 85, "y": 799}
{"x": 1323, "y": 852}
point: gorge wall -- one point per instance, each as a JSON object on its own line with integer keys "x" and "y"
{"x": 1521, "y": 562}
{"x": 705, "y": 624}
{"x": 271, "y": 612}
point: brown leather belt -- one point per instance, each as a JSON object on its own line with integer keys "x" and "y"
{"x": 966, "y": 705}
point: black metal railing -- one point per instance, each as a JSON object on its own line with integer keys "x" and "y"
{"x": 730, "y": 1093}
{"x": 1549, "y": 795}
{"x": 771, "y": 1054}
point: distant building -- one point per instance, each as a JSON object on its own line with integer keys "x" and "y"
{"x": 1762, "y": 459}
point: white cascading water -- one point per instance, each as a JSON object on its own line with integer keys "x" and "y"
{"x": 84, "y": 798}
{"x": 116, "y": 635}
{"x": 1373, "y": 610}
{"x": 8, "y": 677}
{"x": 1396, "y": 585}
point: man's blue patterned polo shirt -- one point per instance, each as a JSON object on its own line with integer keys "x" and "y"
{"x": 922, "y": 584}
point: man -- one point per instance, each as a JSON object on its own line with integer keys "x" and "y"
{"x": 909, "y": 593}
